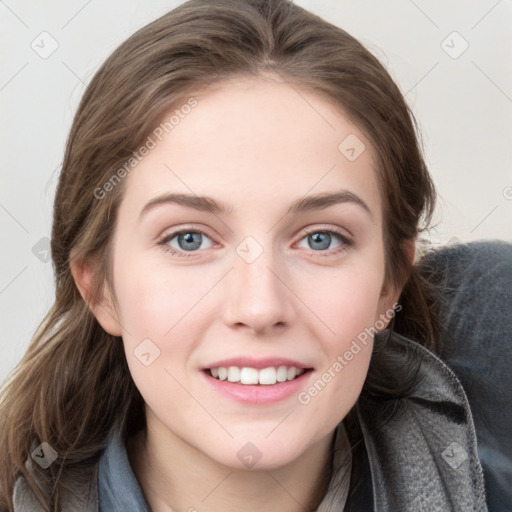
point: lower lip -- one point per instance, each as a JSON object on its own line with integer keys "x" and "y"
{"x": 258, "y": 394}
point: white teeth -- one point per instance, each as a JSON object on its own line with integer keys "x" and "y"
{"x": 234, "y": 374}
{"x": 266, "y": 376}
{"x": 292, "y": 372}
{"x": 249, "y": 376}
{"x": 282, "y": 374}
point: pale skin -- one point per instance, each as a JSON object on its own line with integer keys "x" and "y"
{"x": 256, "y": 145}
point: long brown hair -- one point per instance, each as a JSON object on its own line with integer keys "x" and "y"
{"x": 73, "y": 383}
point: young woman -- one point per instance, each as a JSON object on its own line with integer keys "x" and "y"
{"x": 233, "y": 242}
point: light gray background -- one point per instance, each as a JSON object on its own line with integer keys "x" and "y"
{"x": 463, "y": 103}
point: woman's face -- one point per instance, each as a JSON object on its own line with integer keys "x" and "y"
{"x": 265, "y": 277}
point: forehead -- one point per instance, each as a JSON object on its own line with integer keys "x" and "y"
{"x": 253, "y": 143}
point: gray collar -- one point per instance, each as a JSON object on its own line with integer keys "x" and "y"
{"x": 425, "y": 457}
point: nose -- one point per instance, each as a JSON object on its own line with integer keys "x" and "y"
{"x": 258, "y": 296}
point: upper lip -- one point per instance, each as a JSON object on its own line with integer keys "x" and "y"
{"x": 250, "y": 362}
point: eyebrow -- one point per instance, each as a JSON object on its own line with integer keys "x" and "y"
{"x": 304, "y": 204}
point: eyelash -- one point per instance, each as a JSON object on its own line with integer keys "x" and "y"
{"x": 346, "y": 242}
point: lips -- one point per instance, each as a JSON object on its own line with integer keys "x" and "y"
{"x": 257, "y": 380}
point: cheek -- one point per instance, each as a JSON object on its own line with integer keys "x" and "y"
{"x": 159, "y": 310}
{"x": 154, "y": 299}
{"x": 345, "y": 301}
{"x": 348, "y": 312}
{"x": 158, "y": 334}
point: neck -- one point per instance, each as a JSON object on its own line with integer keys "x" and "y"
{"x": 176, "y": 477}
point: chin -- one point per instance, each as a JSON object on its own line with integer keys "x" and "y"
{"x": 261, "y": 454}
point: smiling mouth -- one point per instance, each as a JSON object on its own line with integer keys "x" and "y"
{"x": 252, "y": 376}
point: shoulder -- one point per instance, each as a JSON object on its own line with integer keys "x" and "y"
{"x": 476, "y": 281}
{"x": 468, "y": 272}
{"x": 79, "y": 491}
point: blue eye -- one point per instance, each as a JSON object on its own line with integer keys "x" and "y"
{"x": 187, "y": 241}
{"x": 320, "y": 240}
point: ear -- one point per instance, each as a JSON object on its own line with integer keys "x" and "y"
{"x": 390, "y": 293}
{"x": 409, "y": 249}
{"x": 102, "y": 308}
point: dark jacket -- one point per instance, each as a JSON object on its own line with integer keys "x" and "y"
{"x": 428, "y": 457}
